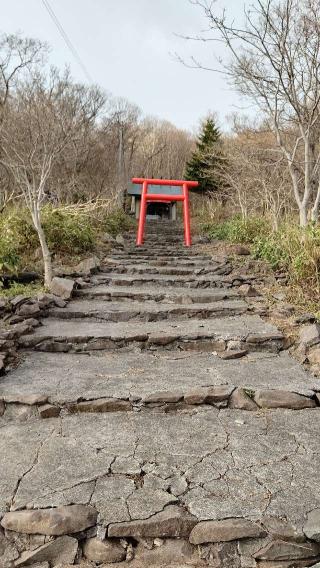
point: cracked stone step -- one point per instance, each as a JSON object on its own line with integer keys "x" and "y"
{"x": 149, "y": 378}
{"x": 231, "y": 464}
{"x": 146, "y": 311}
{"x": 162, "y": 261}
{"x": 150, "y": 256}
{"x": 248, "y": 331}
{"x": 169, "y": 270}
{"x": 161, "y": 293}
{"x": 214, "y": 281}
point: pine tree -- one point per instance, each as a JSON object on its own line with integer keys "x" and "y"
{"x": 206, "y": 161}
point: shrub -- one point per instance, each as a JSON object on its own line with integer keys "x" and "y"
{"x": 67, "y": 233}
{"x": 238, "y": 230}
{"x": 117, "y": 222}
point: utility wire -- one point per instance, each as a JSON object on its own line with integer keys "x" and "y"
{"x": 67, "y": 40}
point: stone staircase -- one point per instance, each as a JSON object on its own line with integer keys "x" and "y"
{"x": 157, "y": 420}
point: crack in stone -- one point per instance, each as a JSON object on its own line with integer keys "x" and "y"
{"x": 30, "y": 468}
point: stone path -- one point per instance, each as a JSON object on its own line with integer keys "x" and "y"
{"x": 157, "y": 420}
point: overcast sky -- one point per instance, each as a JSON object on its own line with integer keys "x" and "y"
{"x": 128, "y": 46}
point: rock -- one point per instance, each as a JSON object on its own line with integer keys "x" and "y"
{"x": 305, "y": 318}
{"x": 160, "y": 339}
{"x": 54, "y": 522}
{"x": 29, "y": 310}
{"x": 59, "y": 302}
{"x": 163, "y": 397}
{"x": 172, "y": 522}
{"x": 314, "y": 356}
{"x": 241, "y": 400}
{"x": 120, "y": 240}
{"x": 62, "y": 287}
{"x": 311, "y": 527}
{"x": 20, "y": 299}
{"x": 28, "y": 399}
{"x": 88, "y": 265}
{"x": 289, "y": 564}
{"x": 240, "y": 250}
{"x": 310, "y": 335}
{"x": 8, "y": 552}
{"x": 49, "y": 411}
{"x": 101, "y": 405}
{"x": 62, "y": 550}
{"x": 173, "y": 552}
{"x": 225, "y": 530}
{"x": 282, "y": 399}
{"x": 107, "y": 238}
{"x": 32, "y": 322}
{"x": 208, "y": 395}
{"x": 281, "y": 550}
{"x": 248, "y": 291}
{"x": 282, "y": 530}
{"x": 103, "y": 550}
{"x": 2, "y": 408}
{"x": 233, "y": 354}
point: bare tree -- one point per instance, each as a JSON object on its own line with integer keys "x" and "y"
{"x": 45, "y": 116}
{"x": 275, "y": 61}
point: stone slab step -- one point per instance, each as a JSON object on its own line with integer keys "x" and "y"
{"x": 161, "y": 293}
{"x": 164, "y": 261}
{"x": 249, "y": 332}
{"x": 134, "y": 256}
{"x": 169, "y": 270}
{"x": 146, "y": 311}
{"x": 130, "y": 466}
{"x": 145, "y": 377}
{"x": 190, "y": 281}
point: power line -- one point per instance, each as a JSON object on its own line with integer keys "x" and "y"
{"x": 67, "y": 40}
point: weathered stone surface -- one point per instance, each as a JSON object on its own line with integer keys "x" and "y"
{"x": 8, "y": 552}
{"x": 311, "y": 527}
{"x": 88, "y": 265}
{"x": 2, "y": 407}
{"x": 282, "y": 530}
{"x": 163, "y": 397}
{"x": 171, "y": 552}
{"x": 29, "y": 399}
{"x": 290, "y": 564}
{"x": 54, "y": 522}
{"x": 41, "y": 373}
{"x": 282, "y": 399}
{"x": 120, "y": 240}
{"x": 103, "y": 550}
{"x": 29, "y": 310}
{"x": 62, "y": 287}
{"x": 209, "y": 395}
{"x": 310, "y": 335}
{"x": 314, "y": 356}
{"x": 225, "y": 530}
{"x": 248, "y": 290}
{"x": 233, "y": 354}
{"x": 241, "y": 400}
{"x": 101, "y": 405}
{"x": 62, "y": 550}
{"x": 172, "y": 522}
{"x": 49, "y": 411}
{"x": 281, "y": 550}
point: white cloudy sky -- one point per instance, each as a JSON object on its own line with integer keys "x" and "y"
{"x": 127, "y": 47}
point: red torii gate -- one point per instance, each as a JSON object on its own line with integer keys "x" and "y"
{"x": 164, "y": 198}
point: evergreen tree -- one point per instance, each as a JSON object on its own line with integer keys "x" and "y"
{"x": 206, "y": 161}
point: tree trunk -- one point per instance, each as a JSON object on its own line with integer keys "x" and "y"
{"x": 303, "y": 216}
{"x": 46, "y": 255}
